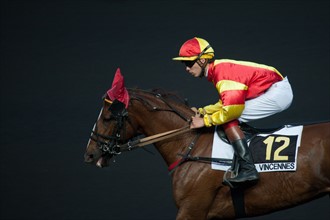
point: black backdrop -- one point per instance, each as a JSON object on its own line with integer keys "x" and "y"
{"x": 59, "y": 57}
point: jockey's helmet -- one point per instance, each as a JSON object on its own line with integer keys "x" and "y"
{"x": 194, "y": 49}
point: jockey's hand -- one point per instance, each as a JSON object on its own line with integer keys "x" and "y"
{"x": 197, "y": 122}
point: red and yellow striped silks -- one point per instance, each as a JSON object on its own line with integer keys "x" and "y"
{"x": 236, "y": 82}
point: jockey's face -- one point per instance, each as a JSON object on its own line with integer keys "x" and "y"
{"x": 195, "y": 67}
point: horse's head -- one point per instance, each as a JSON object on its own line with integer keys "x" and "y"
{"x": 112, "y": 127}
{"x": 127, "y": 114}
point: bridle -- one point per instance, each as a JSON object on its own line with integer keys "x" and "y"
{"x": 113, "y": 144}
{"x": 108, "y": 143}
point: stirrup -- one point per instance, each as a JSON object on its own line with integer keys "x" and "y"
{"x": 225, "y": 180}
{"x": 233, "y": 185}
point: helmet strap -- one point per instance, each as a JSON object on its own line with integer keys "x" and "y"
{"x": 202, "y": 65}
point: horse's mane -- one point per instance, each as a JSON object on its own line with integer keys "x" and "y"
{"x": 172, "y": 97}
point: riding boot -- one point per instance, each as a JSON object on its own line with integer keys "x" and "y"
{"x": 247, "y": 171}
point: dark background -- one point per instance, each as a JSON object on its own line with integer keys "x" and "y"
{"x": 59, "y": 57}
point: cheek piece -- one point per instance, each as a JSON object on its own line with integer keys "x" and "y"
{"x": 202, "y": 65}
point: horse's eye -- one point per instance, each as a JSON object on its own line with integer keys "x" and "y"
{"x": 108, "y": 118}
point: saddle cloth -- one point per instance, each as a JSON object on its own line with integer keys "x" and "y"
{"x": 276, "y": 151}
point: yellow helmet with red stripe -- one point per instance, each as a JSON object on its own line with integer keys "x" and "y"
{"x": 195, "y": 48}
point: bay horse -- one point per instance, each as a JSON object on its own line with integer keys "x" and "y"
{"x": 197, "y": 189}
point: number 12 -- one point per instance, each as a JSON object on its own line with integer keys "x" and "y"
{"x": 270, "y": 141}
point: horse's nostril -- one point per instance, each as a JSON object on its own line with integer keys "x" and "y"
{"x": 89, "y": 158}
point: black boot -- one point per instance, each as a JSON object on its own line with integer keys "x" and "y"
{"x": 247, "y": 171}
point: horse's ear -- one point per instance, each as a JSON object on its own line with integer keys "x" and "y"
{"x": 118, "y": 90}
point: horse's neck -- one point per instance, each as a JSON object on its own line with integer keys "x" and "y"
{"x": 157, "y": 122}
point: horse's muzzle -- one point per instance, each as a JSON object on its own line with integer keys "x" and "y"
{"x": 99, "y": 160}
{"x": 89, "y": 158}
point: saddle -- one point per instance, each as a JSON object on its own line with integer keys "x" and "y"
{"x": 248, "y": 130}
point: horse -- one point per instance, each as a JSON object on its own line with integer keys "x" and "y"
{"x": 197, "y": 189}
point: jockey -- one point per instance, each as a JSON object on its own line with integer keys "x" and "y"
{"x": 247, "y": 91}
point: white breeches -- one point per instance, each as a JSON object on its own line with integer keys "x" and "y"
{"x": 276, "y": 99}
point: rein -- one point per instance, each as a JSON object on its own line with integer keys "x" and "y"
{"x": 111, "y": 144}
{"x": 130, "y": 145}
